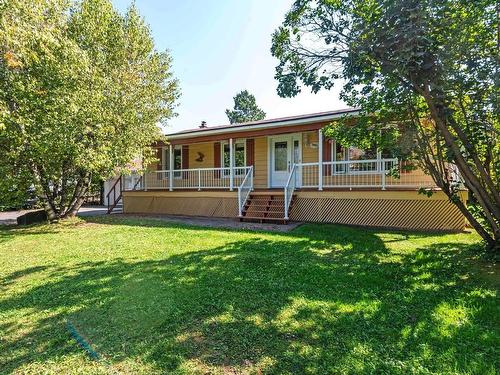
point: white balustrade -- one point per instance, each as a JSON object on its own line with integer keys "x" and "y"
{"x": 199, "y": 179}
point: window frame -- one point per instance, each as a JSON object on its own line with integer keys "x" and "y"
{"x": 235, "y": 141}
{"x": 347, "y": 158}
{"x": 177, "y": 175}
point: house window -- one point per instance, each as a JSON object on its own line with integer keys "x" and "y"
{"x": 177, "y": 153}
{"x": 239, "y": 148}
{"x": 340, "y": 153}
{"x": 164, "y": 158}
{"x": 357, "y": 154}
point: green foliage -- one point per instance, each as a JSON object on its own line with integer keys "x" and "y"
{"x": 82, "y": 91}
{"x": 245, "y": 109}
{"x": 322, "y": 299}
{"x": 424, "y": 74}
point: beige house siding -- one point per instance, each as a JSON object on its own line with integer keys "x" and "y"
{"x": 260, "y": 165}
{"x": 310, "y": 147}
{"x": 207, "y": 149}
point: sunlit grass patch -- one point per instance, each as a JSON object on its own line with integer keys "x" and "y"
{"x": 154, "y": 297}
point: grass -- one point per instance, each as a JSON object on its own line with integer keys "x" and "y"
{"x": 153, "y": 297}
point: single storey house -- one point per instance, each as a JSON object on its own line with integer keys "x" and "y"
{"x": 284, "y": 169}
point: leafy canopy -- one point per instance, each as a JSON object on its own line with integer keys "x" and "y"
{"x": 245, "y": 109}
{"x": 424, "y": 74}
{"x": 82, "y": 91}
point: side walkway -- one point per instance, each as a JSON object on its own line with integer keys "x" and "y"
{"x": 9, "y": 217}
{"x": 216, "y": 222}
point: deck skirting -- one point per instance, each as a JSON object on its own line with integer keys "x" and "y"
{"x": 211, "y": 204}
{"x": 391, "y": 209}
{"x": 406, "y": 211}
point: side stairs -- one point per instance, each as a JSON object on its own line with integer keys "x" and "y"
{"x": 266, "y": 207}
{"x": 118, "y": 208}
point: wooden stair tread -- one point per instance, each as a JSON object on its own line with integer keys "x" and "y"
{"x": 263, "y": 219}
{"x": 267, "y": 193}
{"x": 265, "y": 206}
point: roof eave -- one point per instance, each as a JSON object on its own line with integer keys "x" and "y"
{"x": 246, "y": 128}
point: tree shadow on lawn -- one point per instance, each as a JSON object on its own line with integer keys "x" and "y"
{"x": 333, "y": 300}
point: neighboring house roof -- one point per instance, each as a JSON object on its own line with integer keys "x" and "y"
{"x": 264, "y": 124}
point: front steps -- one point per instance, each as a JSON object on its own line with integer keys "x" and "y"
{"x": 265, "y": 207}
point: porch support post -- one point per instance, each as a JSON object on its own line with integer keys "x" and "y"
{"x": 320, "y": 159}
{"x": 171, "y": 167}
{"x": 231, "y": 164}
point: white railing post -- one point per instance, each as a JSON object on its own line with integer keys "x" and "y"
{"x": 199, "y": 179}
{"x": 244, "y": 189}
{"x": 286, "y": 204}
{"x": 240, "y": 213}
{"x": 251, "y": 176}
{"x": 383, "y": 174}
{"x": 231, "y": 165}
{"x": 320, "y": 160}
{"x": 144, "y": 180}
{"x": 170, "y": 168}
{"x": 289, "y": 189}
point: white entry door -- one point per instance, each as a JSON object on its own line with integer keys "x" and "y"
{"x": 285, "y": 150}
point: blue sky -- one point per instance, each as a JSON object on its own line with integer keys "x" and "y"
{"x": 220, "y": 47}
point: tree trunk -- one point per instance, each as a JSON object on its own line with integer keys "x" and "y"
{"x": 473, "y": 182}
{"x": 73, "y": 209}
{"x": 78, "y": 196}
{"x": 443, "y": 183}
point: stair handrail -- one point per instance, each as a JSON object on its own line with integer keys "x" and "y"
{"x": 139, "y": 180}
{"x": 113, "y": 190}
{"x": 290, "y": 188}
{"x": 244, "y": 190}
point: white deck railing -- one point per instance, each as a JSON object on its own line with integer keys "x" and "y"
{"x": 244, "y": 190}
{"x": 290, "y": 186}
{"x": 374, "y": 173}
{"x": 199, "y": 179}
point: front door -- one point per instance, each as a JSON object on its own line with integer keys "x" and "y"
{"x": 285, "y": 150}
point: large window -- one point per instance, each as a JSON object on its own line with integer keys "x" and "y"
{"x": 239, "y": 157}
{"x": 177, "y": 153}
{"x": 340, "y": 153}
{"x": 357, "y": 154}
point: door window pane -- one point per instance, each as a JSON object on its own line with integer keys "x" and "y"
{"x": 280, "y": 156}
{"x": 296, "y": 152}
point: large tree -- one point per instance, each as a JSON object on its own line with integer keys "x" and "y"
{"x": 82, "y": 91}
{"x": 425, "y": 68}
{"x": 245, "y": 109}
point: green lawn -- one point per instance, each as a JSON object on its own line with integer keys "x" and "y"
{"x": 154, "y": 297}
